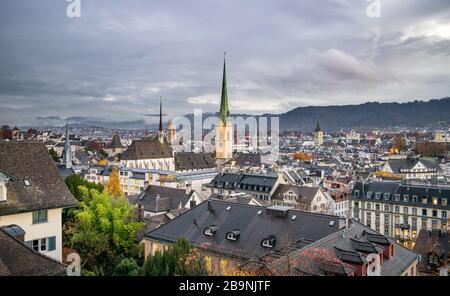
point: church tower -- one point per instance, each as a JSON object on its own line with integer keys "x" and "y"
{"x": 318, "y": 135}
{"x": 160, "y": 131}
{"x": 224, "y": 127}
{"x": 172, "y": 132}
{"x": 67, "y": 150}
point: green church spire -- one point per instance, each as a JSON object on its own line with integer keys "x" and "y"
{"x": 318, "y": 129}
{"x": 224, "y": 111}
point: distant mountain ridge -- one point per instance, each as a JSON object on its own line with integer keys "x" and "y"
{"x": 435, "y": 112}
{"x": 432, "y": 113}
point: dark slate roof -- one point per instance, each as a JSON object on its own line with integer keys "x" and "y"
{"x": 147, "y": 149}
{"x": 28, "y": 160}
{"x": 115, "y": 143}
{"x": 16, "y": 259}
{"x": 194, "y": 161}
{"x": 350, "y": 248}
{"x": 305, "y": 193}
{"x": 405, "y": 164}
{"x": 244, "y": 181}
{"x": 402, "y": 189}
{"x": 169, "y": 198}
{"x": 247, "y": 159}
{"x": 254, "y": 224}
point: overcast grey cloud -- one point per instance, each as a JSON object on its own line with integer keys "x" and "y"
{"x": 118, "y": 58}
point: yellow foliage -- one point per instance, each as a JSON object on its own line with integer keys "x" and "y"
{"x": 227, "y": 270}
{"x": 302, "y": 156}
{"x": 387, "y": 174}
{"x": 113, "y": 184}
{"x": 103, "y": 162}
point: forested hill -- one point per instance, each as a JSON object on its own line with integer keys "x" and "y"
{"x": 411, "y": 114}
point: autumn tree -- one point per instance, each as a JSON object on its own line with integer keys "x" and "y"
{"x": 302, "y": 156}
{"x": 104, "y": 230}
{"x": 432, "y": 149}
{"x": 113, "y": 184}
{"x": 398, "y": 144}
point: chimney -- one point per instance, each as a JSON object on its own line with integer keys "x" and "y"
{"x": 210, "y": 207}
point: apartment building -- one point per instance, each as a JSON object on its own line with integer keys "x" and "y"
{"x": 401, "y": 210}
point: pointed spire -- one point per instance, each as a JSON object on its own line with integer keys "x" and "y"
{"x": 224, "y": 112}
{"x": 67, "y": 150}
{"x": 160, "y": 115}
{"x": 67, "y": 134}
{"x": 318, "y": 129}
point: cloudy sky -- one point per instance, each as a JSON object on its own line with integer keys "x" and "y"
{"x": 116, "y": 60}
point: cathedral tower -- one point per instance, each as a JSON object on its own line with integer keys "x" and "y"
{"x": 224, "y": 127}
{"x": 318, "y": 135}
{"x": 67, "y": 150}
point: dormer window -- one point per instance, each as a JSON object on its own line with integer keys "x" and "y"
{"x": 233, "y": 235}
{"x": 356, "y": 193}
{"x": 369, "y": 194}
{"x": 210, "y": 231}
{"x": 378, "y": 195}
{"x": 435, "y": 200}
{"x": 269, "y": 242}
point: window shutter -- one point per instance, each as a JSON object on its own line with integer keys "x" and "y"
{"x": 35, "y": 217}
{"x": 52, "y": 243}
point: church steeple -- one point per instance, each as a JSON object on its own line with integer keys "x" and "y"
{"x": 67, "y": 150}
{"x": 318, "y": 129}
{"x": 224, "y": 127}
{"x": 160, "y": 131}
{"x": 224, "y": 111}
{"x": 160, "y": 115}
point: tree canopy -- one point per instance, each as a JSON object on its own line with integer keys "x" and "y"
{"x": 103, "y": 230}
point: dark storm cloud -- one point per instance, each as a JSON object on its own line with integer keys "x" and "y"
{"x": 118, "y": 59}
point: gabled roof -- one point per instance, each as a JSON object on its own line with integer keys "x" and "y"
{"x": 397, "y": 165}
{"x": 147, "y": 149}
{"x": 305, "y": 193}
{"x": 31, "y": 161}
{"x": 194, "y": 161}
{"x": 350, "y": 246}
{"x": 169, "y": 198}
{"x": 247, "y": 159}
{"x": 254, "y": 223}
{"x": 244, "y": 181}
{"x": 16, "y": 259}
{"x": 432, "y": 242}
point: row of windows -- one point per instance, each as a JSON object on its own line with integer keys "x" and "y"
{"x": 425, "y": 212}
{"x": 406, "y": 198}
